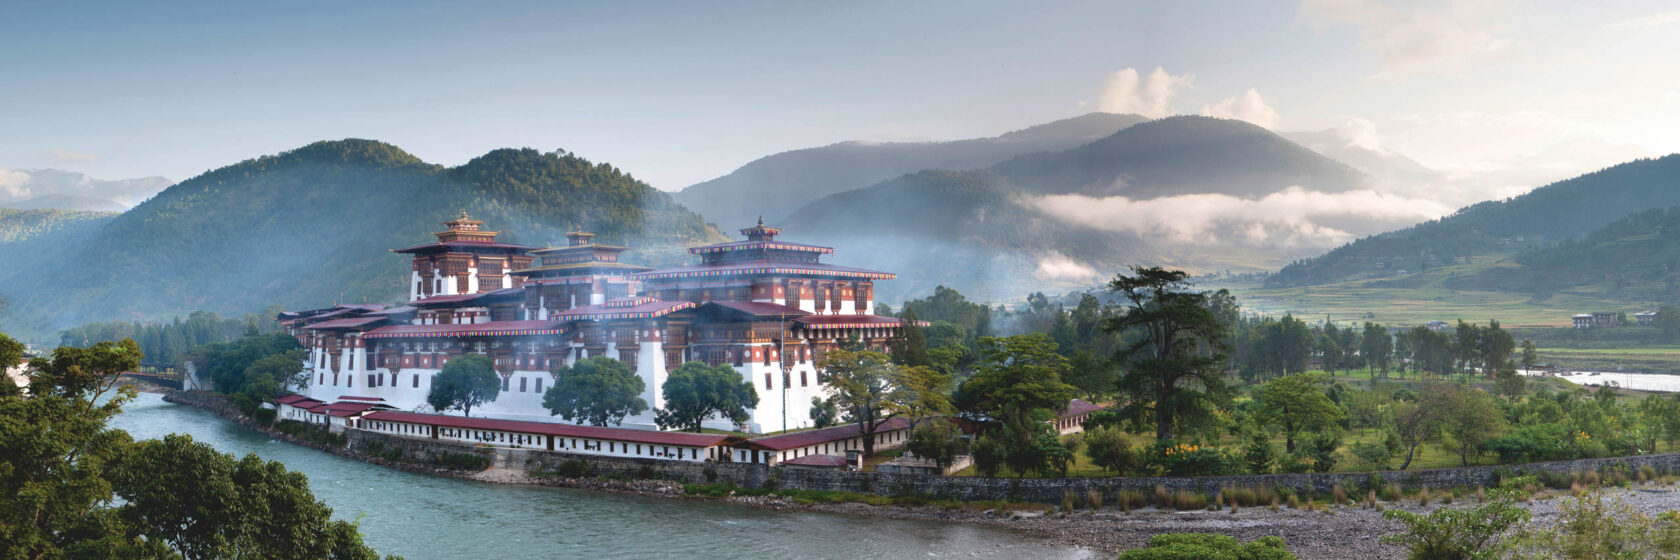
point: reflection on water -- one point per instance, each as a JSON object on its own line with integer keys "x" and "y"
{"x": 422, "y": 517}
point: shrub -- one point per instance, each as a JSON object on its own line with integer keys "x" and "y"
{"x": 572, "y": 468}
{"x": 1183, "y": 459}
{"x": 264, "y": 416}
{"x": 1204, "y": 546}
{"x": 462, "y": 461}
{"x": 1094, "y": 499}
{"x": 1107, "y": 447}
{"x": 1458, "y": 533}
{"x": 1067, "y": 501}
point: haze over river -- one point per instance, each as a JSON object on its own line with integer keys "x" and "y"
{"x": 424, "y": 517}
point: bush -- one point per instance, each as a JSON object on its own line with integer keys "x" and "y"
{"x": 1459, "y": 533}
{"x": 572, "y": 468}
{"x": 1204, "y": 546}
{"x": 462, "y": 461}
{"x": 1107, "y": 447}
{"x": 264, "y": 416}
{"x": 1182, "y": 459}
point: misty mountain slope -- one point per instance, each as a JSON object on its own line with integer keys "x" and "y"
{"x": 66, "y": 202}
{"x": 1549, "y": 214}
{"x": 776, "y": 185}
{"x": 315, "y": 225}
{"x": 1008, "y": 240}
{"x": 1377, "y": 163}
{"x": 1636, "y": 258}
{"x": 1182, "y": 155}
{"x": 958, "y": 228}
{"x": 28, "y": 235}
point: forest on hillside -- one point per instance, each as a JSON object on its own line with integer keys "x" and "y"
{"x": 313, "y": 226}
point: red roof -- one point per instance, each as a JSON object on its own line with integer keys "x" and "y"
{"x": 464, "y": 245}
{"x": 1077, "y": 407}
{"x": 826, "y": 435}
{"x": 828, "y": 461}
{"x": 763, "y": 267}
{"x": 351, "y": 323}
{"x": 454, "y": 300}
{"x": 761, "y": 308}
{"x": 759, "y": 245}
{"x": 363, "y": 399}
{"x": 554, "y": 429}
{"x": 493, "y": 328}
{"x": 297, "y": 400}
{"x": 849, "y": 321}
{"x": 343, "y": 409}
{"x": 606, "y": 311}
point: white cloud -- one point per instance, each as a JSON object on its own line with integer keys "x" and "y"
{"x": 1125, "y": 91}
{"x": 1645, "y": 22}
{"x": 1415, "y": 39}
{"x": 1246, "y": 107}
{"x": 14, "y": 184}
{"x": 1057, "y": 267}
{"x": 1290, "y": 218}
{"x": 1362, "y": 133}
{"x": 61, "y": 156}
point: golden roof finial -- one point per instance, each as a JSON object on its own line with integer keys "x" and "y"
{"x": 761, "y": 220}
{"x": 463, "y": 213}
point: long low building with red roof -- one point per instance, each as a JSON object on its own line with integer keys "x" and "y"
{"x": 837, "y": 440}
{"x": 769, "y": 309}
{"x": 586, "y": 440}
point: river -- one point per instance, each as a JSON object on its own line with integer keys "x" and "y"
{"x": 423, "y": 517}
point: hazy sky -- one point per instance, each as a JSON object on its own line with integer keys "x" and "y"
{"x": 677, "y": 93}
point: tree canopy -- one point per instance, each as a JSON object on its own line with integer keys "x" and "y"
{"x": 598, "y": 390}
{"x": 695, "y": 392}
{"x": 463, "y": 383}
{"x": 1172, "y": 371}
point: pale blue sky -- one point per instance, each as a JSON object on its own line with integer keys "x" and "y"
{"x": 677, "y": 93}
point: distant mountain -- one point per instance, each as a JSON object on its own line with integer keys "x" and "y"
{"x": 313, "y": 226}
{"x": 1550, "y": 214}
{"x": 985, "y": 233}
{"x": 66, "y": 190}
{"x": 1178, "y": 156}
{"x": 1379, "y": 163}
{"x": 67, "y": 202}
{"x": 1636, "y": 258}
{"x": 776, "y": 185}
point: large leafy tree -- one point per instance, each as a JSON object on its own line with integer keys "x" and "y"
{"x": 1295, "y": 403}
{"x": 696, "y": 392}
{"x": 598, "y": 390}
{"x": 1019, "y": 386}
{"x": 870, "y": 390}
{"x": 71, "y": 487}
{"x": 1470, "y": 417}
{"x": 1171, "y": 371}
{"x": 465, "y": 382}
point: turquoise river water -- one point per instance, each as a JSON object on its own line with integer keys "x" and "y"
{"x": 424, "y": 517}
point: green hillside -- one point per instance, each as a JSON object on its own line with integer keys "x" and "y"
{"x": 314, "y": 225}
{"x": 1546, "y": 215}
{"x": 1633, "y": 259}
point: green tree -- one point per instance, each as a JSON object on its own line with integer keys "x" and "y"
{"x": 1495, "y": 346}
{"x": 11, "y": 353}
{"x": 598, "y": 390}
{"x": 1530, "y": 355}
{"x": 695, "y": 392}
{"x": 988, "y": 455}
{"x": 270, "y": 375}
{"x": 1295, "y": 404}
{"x": 1417, "y": 423}
{"x": 1465, "y": 533}
{"x": 1107, "y": 447}
{"x": 911, "y": 349}
{"x": 1470, "y": 417}
{"x": 937, "y": 440}
{"x": 71, "y": 487}
{"x": 1376, "y": 347}
{"x": 465, "y": 382}
{"x": 1172, "y": 370}
{"x": 870, "y": 390}
{"x": 823, "y": 413}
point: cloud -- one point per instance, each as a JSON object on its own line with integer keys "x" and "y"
{"x": 1058, "y": 267}
{"x": 1291, "y": 218}
{"x": 14, "y": 184}
{"x": 1645, "y": 22}
{"x": 1362, "y": 133}
{"x": 61, "y": 156}
{"x": 1246, "y": 107}
{"x": 1125, "y": 91}
{"x": 1413, "y": 40}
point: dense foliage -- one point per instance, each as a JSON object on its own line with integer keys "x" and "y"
{"x": 166, "y": 343}
{"x": 463, "y": 383}
{"x": 254, "y": 369}
{"x": 71, "y": 486}
{"x": 695, "y": 392}
{"x": 1205, "y": 546}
